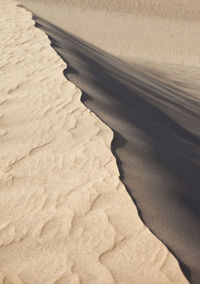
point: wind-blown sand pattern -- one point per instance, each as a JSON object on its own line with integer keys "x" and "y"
{"x": 65, "y": 216}
{"x": 154, "y": 30}
{"x": 156, "y": 127}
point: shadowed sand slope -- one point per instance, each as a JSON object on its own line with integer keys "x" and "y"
{"x": 156, "y": 141}
{"x": 65, "y": 216}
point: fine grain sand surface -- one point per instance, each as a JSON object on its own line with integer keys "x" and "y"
{"x": 154, "y": 30}
{"x": 65, "y": 216}
{"x": 156, "y": 126}
{"x": 150, "y": 100}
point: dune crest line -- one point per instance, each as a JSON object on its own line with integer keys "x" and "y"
{"x": 156, "y": 140}
{"x": 65, "y": 215}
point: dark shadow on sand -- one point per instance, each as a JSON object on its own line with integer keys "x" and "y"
{"x": 156, "y": 140}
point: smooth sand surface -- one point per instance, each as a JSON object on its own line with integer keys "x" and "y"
{"x": 65, "y": 216}
{"x": 154, "y": 30}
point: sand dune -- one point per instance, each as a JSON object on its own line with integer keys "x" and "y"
{"x": 154, "y": 30}
{"x": 155, "y": 120}
{"x": 156, "y": 139}
{"x": 65, "y": 216}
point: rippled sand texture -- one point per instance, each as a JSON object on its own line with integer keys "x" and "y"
{"x": 65, "y": 217}
{"x": 154, "y": 30}
{"x": 155, "y": 121}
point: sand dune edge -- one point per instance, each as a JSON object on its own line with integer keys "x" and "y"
{"x": 66, "y": 218}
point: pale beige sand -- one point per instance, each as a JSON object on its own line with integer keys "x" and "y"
{"x": 154, "y": 30}
{"x": 65, "y": 217}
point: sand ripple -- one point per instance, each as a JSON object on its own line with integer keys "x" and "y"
{"x": 65, "y": 217}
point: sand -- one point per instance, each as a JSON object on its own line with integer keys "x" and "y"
{"x": 156, "y": 128}
{"x": 152, "y": 30}
{"x": 65, "y": 216}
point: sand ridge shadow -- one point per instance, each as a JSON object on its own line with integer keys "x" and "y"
{"x": 156, "y": 140}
